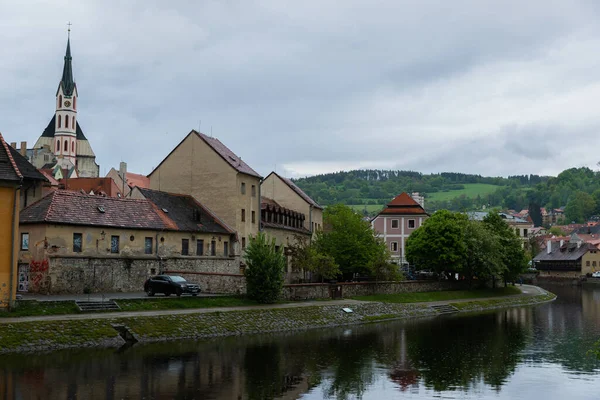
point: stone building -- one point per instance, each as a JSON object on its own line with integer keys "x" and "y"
{"x": 10, "y": 181}
{"x": 63, "y": 141}
{"x": 288, "y": 195}
{"x": 72, "y": 241}
{"x": 570, "y": 260}
{"x": 396, "y": 222}
{"x": 206, "y": 169}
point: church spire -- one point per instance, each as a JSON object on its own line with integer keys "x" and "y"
{"x": 67, "y": 76}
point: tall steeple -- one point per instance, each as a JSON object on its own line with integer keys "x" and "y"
{"x": 65, "y": 134}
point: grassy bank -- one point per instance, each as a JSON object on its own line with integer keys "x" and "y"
{"x": 440, "y": 296}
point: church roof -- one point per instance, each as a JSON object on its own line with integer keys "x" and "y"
{"x": 51, "y": 129}
{"x": 67, "y": 82}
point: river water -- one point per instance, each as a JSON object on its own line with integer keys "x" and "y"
{"x": 521, "y": 353}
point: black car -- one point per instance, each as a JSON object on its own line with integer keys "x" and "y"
{"x": 170, "y": 284}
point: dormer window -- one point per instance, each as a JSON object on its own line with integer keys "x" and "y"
{"x": 101, "y": 209}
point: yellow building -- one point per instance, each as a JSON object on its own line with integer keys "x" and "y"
{"x": 10, "y": 182}
{"x": 203, "y": 167}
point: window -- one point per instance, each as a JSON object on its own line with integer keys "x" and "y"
{"x": 74, "y": 103}
{"x": 394, "y": 247}
{"x": 77, "y": 242}
{"x": 213, "y": 248}
{"x": 253, "y": 191}
{"x": 148, "y": 245}
{"x": 66, "y": 146}
{"x": 24, "y": 241}
{"x": 73, "y": 147}
{"x": 114, "y": 244}
{"x": 524, "y": 232}
{"x": 243, "y": 243}
{"x": 60, "y": 121}
{"x": 243, "y": 215}
{"x": 593, "y": 263}
{"x": 395, "y": 224}
{"x": 66, "y": 121}
{"x": 253, "y": 216}
{"x": 411, "y": 224}
{"x": 73, "y": 122}
{"x": 185, "y": 247}
{"x": 587, "y": 263}
{"x": 59, "y": 101}
{"x": 225, "y": 249}
{"x": 243, "y": 188}
{"x": 199, "y": 247}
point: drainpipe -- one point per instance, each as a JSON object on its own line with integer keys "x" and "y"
{"x": 259, "y": 209}
{"x": 310, "y": 210}
{"x": 11, "y": 300}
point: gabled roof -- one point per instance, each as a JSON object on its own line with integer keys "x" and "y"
{"x": 403, "y": 204}
{"x": 223, "y": 151}
{"x": 296, "y": 189}
{"x": 568, "y": 252}
{"x": 139, "y": 180}
{"x": 26, "y": 168}
{"x": 8, "y": 168}
{"x": 73, "y": 208}
{"x": 51, "y": 129}
{"x": 96, "y": 185}
{"x": 186, "y": 212}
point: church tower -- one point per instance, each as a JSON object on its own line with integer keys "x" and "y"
{"x": 65, "y": 134}
{"x": 63, "y": 142}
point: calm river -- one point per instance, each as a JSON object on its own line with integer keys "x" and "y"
{"x": 522, "y": 353}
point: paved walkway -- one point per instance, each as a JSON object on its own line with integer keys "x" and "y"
{"x": 527, "y": 290}
{"x": 98, "y": 296}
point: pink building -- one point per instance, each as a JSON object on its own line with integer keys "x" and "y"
{"x": 396, "y": 222}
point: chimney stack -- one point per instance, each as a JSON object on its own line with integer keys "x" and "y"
{"x": 549, "y": 247}
{"x": 122, "y": 169}
{"x": 13, "y": 145}
{"x": 562, "y": 242}
{"x": 24, "y": 149}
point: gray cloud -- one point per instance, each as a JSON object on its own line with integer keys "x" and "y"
{"x": 315, "y": 87}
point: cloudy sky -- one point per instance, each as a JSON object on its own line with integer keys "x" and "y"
{"x": 493, "y": 88}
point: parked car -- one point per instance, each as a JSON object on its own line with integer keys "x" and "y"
{"x": 170, "y": 284}
{"x": 596, "y": 274}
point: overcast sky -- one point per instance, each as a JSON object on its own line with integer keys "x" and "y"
{"x": 307, "y": 87}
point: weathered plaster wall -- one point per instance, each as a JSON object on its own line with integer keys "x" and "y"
{"x": 7, "y": 247}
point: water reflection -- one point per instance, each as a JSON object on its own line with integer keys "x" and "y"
{"x": 482, "y": 356}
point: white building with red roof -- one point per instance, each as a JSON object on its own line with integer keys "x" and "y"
{"x": 396, "y": 222}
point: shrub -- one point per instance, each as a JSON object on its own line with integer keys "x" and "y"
{"x": 265, "y": 269}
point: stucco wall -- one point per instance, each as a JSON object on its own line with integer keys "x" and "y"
{"x": 590, "y": 262}
{"x": 7, "y": 207}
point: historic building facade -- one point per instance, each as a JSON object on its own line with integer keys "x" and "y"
{"x": 63, "y": 141}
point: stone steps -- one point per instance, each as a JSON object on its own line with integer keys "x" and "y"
{"x": 445, "y": 309}
{"x": 88, "y": 306}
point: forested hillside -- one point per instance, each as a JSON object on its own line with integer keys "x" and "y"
{"x": 577, "y": 189}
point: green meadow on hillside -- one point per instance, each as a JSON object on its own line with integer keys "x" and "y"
{"x": 471, "y": 190}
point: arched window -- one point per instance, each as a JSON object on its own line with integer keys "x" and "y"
{"x": 66, "y": 146}
{"x": 66, "y": 121}
{"x": 59, "y": 121}
{"x": 74, "y": 103}
{"x": 73, "y": 121}
{"x": 73, "y": 147}
{"x": 57, "y": 146}
{"x": 60, "y": 101}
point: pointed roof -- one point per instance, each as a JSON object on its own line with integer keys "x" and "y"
{"x": 8, "y": 168}
{"x": 67, "y": 82}
{"x": 403, "y": 204}
{"x": 51, "y": 129}
{"x": 296, "y": 189}
{"x": 27, "y": 169}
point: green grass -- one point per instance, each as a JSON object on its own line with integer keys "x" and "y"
{"x": 370, "y": 207}
{"x": 27, "y": 308}
{"x": 471, "y": 190}
{"x": 183, "y": 303}
{"x": 440, "y": 296}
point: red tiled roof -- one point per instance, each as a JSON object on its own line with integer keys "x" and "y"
{"x": 72, "y": 208}
{"x": 8, "y": 168}
{"x": 298, "y": 191}
{"x": 139, "y": 180}
{"x": 48, "y": 174}
{"x": 106, "y": 185}
{"x": 228, "y": 155}
{"x": 403, "y": 204}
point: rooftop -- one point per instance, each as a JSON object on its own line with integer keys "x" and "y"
{"x": 298, "y": 191}
{"x": 403, "y": 204}
{"x": 8, "y": 168}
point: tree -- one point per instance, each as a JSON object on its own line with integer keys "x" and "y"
{"x": 580, "y": 207}
{"x": 512, "y": 255}
{"x": 483, "y": 253}
{"x": 265, "y": 269}
{"x": 305, "y": 256}
{"x": 535, "y": 212}
{"x": 381, "y": 267}
{"x": 349, "y": 240}
{"x": 556, "y": 231}
{"x": 438, "y": 243}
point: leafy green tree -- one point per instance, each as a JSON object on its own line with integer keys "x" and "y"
{"x": 483, "y": 253}
{"x": 513, "y": 258}
{"x": 381, "y": 267}
{"x": 349, "y": 240}
{"x": 556, "y": 231}
{"x": 580, "y": 207}
{"x": 306, "y": 257}
{"x": 438, "y": 243}
{"x": 265, "y": 269}
{"x": 535, "y": 212}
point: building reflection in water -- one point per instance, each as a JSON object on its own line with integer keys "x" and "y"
{"x": 445, "y": 353}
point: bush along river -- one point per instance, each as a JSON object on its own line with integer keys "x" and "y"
{"x": 514, "y": 353}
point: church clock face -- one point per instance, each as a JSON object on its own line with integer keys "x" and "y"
{"x": 67, "y": 103}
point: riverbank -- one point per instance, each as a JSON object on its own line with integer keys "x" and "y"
{"x": 104, "y": 330}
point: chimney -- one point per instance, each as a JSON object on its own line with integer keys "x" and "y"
{"x": 549, "y": 247}
{"x": 24, "y": 149}
{"x": 13, "y": 145}
{"x": 562, "y": 242}
{"x": 122, "y": 169}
